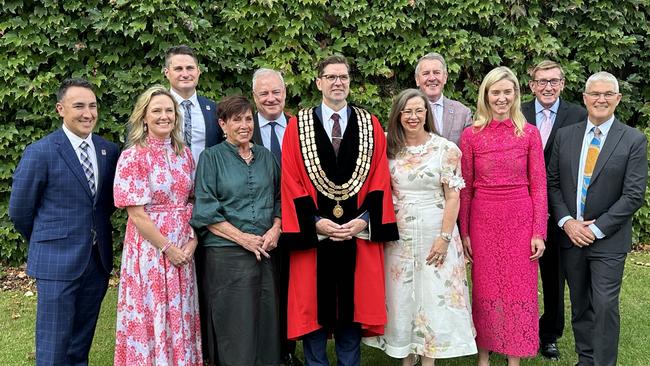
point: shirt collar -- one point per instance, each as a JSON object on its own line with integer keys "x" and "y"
{"x": 539, "y": 107}
{"x": 282, "y": 121}
{"x": 76, "y": 140}
{"x": 194, "y": 99}
{"x": 504, "y": 123}
{"x": 328, "y": 112}
{"x": 604, "y": 128}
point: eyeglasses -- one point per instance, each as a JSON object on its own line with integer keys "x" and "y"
{"x": 409, "y": 112}
{"x": 543, "y": 82}
{"x": 332, "y": 78}
{"x": 607, "y": 95}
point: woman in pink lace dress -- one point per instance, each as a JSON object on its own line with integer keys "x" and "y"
{"x": 503, "y": 217}
{"x": 157, "y": 308}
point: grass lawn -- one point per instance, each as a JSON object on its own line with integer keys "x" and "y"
{"x": 17, "y": 314}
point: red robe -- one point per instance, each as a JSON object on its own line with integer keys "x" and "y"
{"x": 300, "y": 206}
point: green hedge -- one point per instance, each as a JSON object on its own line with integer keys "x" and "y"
{"x": 118, "y": 45}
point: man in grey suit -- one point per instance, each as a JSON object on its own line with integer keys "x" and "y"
{"x": 450, "y": 116}
{"x": 549, "y": 113}
{"x": 596, "y": 180}
{"x": 270, "y": 122}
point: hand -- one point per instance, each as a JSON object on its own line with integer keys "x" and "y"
{"x": 177, "y": 256}
{"x": 579, "y": 232}
{"x": 537, "y": 247}
{"x": 467, "y": 249}
{"x": 254, "y": 244}
{"x": 438, "y": 252}
{"x": 355, "y": 226}
{"x": 190, "y": 247}
{"x": 332, "y": 230}
{"x": 271, "y": 237}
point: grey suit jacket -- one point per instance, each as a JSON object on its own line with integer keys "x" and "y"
{"x": 455, "y": 117}
{"x": 567, "y": 114}
{"x": 617, "y": 185}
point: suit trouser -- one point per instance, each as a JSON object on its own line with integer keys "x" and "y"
{"x": 551, "y": 323}
{"x": 347, "y": 344}
{"x": 594, "y": 285}
{"x": 66, "y": 315}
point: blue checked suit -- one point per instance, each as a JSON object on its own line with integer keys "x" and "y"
{"x": 51, "y": 205}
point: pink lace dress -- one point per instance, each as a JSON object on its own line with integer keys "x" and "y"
{"x": 502, "y": 208}
{"x": 157, "y": 307}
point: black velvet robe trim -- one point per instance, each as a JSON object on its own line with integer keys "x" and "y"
{"x": 306, "y": 238}
{"x": 380, "y": 232}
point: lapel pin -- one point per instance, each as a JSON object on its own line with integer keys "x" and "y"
{"x": 104, "y": 152}
{"x": 207, "y": 107}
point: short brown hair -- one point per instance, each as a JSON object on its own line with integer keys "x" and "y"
{"x": 545, "y": 65}
{"x": 69, "y": 83}
{"x": 179, "y": 50}
{"x": 233, "y": 105}
{"x": 330, "y": 60}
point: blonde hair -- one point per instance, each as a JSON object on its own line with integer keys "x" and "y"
{"x": 483, "y": 110}
{"x": 137, "y": 132}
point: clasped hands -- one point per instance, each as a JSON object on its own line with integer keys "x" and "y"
{"x": 180, "y": 256}
{"x": 579, "y": 232}
{"x": 342, "y": 232}
{"x": 261, "y": 245}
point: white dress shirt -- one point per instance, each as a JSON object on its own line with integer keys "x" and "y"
{"x": 198, "y": 124}
{"x": 265, "y": 130}
{"x": 328, "y": 123}
{"x": 92, "y": 153}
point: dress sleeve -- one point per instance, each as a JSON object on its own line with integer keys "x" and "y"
{"x": 131, "y": 186}
{"x": 467, "y": 168}
{"x": 537, "y": 183}
{"x": 450, "y": 172}
{"x": 207, "y": 208}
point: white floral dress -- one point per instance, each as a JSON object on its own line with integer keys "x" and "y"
{"x": 428, "y": 308}
{"x": 157, "y": 307}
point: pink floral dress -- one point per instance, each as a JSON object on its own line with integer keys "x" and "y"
{"x": 502, "y": 208}
{"x": 157, "y": 308}
{"x": 428, "y": 308}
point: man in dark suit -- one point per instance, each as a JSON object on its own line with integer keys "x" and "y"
{"x": 597, "y": 178}
{"x": 450, "y": 116}
{"x": 549, "y": 113}
{"x": 200, "y": 127}
{"x": 61, "y": 202}
{"x": 270, "y": 121}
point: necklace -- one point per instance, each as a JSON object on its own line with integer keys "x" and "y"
{"x": 249, "y": 157}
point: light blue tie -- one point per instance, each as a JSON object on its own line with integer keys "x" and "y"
{"x": 590, "y": 163}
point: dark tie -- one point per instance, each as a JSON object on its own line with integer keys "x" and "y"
{"x": 275, "y": 143}
{"x": 87, "y": 166}
{"x": 187, "y": 122}
{"x": 336, "y": 133}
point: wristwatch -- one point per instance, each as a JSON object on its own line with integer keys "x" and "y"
{"x": 446, "y": 237}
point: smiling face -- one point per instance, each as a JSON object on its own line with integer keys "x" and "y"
{"x": 431, "y": 79}
{"x": 269, "y": 95}
{"x": 599, "y": 108}
{"x": 183, "y": 74}
{"x": 548, "y": 94}
{"x": 78, "y": 108}
{"x": 413, "y": 116}
{"x": 334, "y": 92}
{"x": 500, "y": 97}
{"x": 238, "y": 128}
{"x": 160, "y": 116}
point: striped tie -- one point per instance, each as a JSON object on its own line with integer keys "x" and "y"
{"x": 88, "y": 166}
{"x": 590, "y": 163}
{"x": 187, "y": 122}
{"x": 336, "y": 133}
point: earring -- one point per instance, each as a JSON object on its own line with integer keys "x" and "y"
{"x": 146, "y": 128}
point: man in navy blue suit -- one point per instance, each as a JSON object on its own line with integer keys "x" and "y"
{"x": 200, "y": 127}
{"x": 61, "y": 202}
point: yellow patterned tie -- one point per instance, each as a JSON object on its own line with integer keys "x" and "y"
{"x": 590, "y": 163}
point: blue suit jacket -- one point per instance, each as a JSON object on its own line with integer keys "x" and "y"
{"x": 52, "y": 207}
{"x": 213, "y": 132}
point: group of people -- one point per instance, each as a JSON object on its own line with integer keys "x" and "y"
{"x": 249, "y": 228}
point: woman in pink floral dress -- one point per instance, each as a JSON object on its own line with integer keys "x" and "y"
{"x": 503, "y": 219}
{"x": 427, "y": 299}
{"x": 157, "y": 309}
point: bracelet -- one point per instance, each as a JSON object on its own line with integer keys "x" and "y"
{"x": 446, "y": 237}
{"x": 166, "y": 246}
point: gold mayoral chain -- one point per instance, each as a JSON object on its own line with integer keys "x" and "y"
{"x": 316, "y": 173}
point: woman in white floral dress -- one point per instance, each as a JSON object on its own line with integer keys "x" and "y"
{"x": 427, "y": 299}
